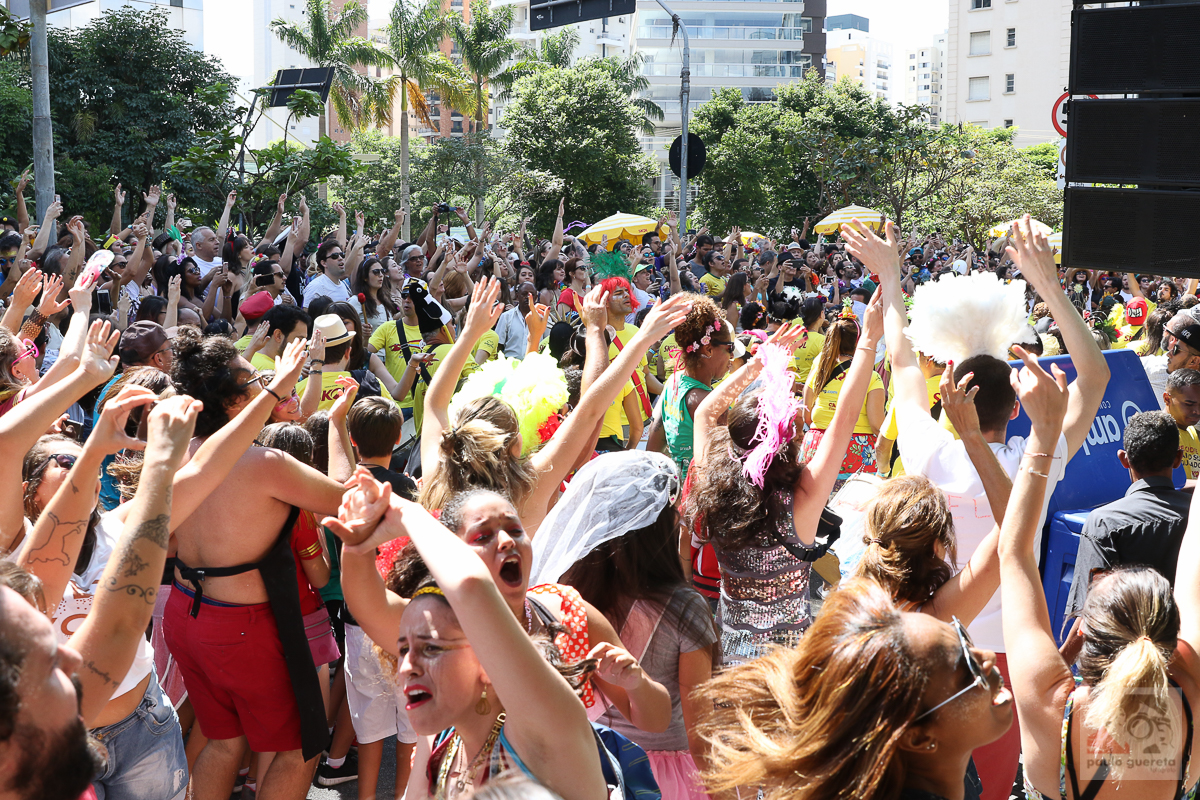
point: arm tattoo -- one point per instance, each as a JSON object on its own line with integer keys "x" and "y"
{"x": 55, "y": 547}
{"x": 156, "y": 530}
{"x": 99, "y": 673}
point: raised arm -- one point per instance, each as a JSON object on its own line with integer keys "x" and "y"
{"x": 151, "y": 198}
{"x": 817, "y": 479}
{"x": 21, "y": 427}
{"x": 48, "y": 232}
{"x": 223, "y": 225}
{"x": 22, "y": 211}
{"x": 481, "y": 317}
{"x": 1040, "y": 678}
{"x": 276, "y": 223}
{"x": 392, "y": 236}
{"x": 116, "y": 225}
{"x": 556, "y": 239}
{"x": 557, "y": 457}
{"x": 1033, "y": 254}
{"x": 169, "y": 222}
{"x": 341, "y": 451}
{"x": 73, "y": 344}
{"x": 341, "y": 228}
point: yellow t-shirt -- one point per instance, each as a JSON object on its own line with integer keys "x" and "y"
{"x": 244, "y": 342}
{"x": 826, "y": 405}
{"x": 1189, "y": 442}
{"x": 614, "y": 416}
{"x": 713, "y": 286}
{"x": 806, "y": 356}
{"x": 330, "y": 391}
{"x": 890, "y": 430}
{"x": 624, "y": 335}
{"x": 261, "y": 362}
{"x": 386, "y": 340}
{"x": 489, "y": 343}
{"x": 668, "y": 351}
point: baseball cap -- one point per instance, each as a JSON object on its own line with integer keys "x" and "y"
{"x": 640, "y": 267}
{"x": 141, "y": 340}
{"x": 253, "y": 307}
{"x": 1190, "y": 335}
{"x": 916, "y": 251}
{"x": 1135, "y": 311}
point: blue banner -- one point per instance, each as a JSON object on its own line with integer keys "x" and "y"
{"x": 1095, "y": 476}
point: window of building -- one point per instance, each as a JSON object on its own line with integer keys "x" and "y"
{"x": 977, "y": 89}
{"x": 1011, "y": 38}
{"x": 977, "y": 4}
{"x": 1008, "y": 123}
{"x": 926, "y": 86}
{"x": 1010, "y": 83}
{"x": 911, "y": 56}
{"x": 981, "y": 43}
{"x": 912, "y": 68}
{"x": 924, "y": 65}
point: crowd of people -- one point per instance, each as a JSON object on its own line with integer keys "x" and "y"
{"x": 566, "y": 519}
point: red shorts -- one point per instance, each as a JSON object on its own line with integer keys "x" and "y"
{"x": 236, "y": 677}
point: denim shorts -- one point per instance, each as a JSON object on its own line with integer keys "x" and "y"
{"x": 146, "y": 759}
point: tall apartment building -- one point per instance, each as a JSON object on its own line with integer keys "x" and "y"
{"x": 855, "y": 54}
{"x": 923, "y": 73}
{"x": 186, "y": 16}
{"x": 1007, "y": 61}
{"x": 750, "y": 45}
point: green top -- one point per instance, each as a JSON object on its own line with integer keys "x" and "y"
{"x": 677, "y": 419}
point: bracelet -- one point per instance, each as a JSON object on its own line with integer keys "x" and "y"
{"x": 870, "y": 350}
{"x": 312, "y": 361}
{"x": 271, "y": 392}
{"x": 37, "y": 318}
{"x": 1039, "y": 455}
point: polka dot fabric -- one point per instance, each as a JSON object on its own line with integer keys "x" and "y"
{"x": 573, "y": 643}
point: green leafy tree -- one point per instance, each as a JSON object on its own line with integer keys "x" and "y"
{"x": 592, "y": 146}
{"x": 415, "y": 33}
{"x": 122, "y": 111}
{"x": 1045, "y": 156}
{"x": 14, "y": 33}
{"x": 327, "y": 40}
{"x": 556, "y": 50}
{"x": 629, "y": 75}
{"x": 16, "y": 130}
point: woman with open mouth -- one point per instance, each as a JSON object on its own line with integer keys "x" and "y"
{"x": 479, "y": 693}
{"x": 489, "y": 526}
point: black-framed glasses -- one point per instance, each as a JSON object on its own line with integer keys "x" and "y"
{"x": 278, "y": 275}
{"x": 973, "y": 666}
{"x": 335, "y": 255}
{"x": 377, "y": 272}
{"x": 728, "y": 345}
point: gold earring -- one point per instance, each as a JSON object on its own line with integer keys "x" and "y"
{"x": 483, "y": 707}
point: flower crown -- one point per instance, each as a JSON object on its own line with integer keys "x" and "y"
{"x": 707, "y": 338}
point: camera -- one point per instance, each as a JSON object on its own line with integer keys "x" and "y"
{"x": 445, "y": 208}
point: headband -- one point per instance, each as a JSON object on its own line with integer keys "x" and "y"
{"x": 428, "y": 590}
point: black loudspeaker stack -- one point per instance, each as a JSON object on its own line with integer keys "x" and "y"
{"x": 1134, "y": 135}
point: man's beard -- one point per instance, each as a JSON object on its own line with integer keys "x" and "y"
{"x": 59, "y": 765}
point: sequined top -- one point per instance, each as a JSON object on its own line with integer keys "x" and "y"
{"x": 764, "y": 589}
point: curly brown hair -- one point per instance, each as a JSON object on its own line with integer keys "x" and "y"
{"x": 907, "y": 518}
{"x": 699, "y": 323}
{"x": 725, "y": 507}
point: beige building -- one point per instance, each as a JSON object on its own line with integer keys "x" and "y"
{"x": 854, "y": 53}
{"x": 1007, "y": 61}
{"x": 923, "y": 74}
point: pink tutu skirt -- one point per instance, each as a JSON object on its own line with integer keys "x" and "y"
{"x": 677, "y": 776}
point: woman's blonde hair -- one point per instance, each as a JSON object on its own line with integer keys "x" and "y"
{"x": 826, "y": 719}
{"x": 904, "y": 522}
{"x": 1130, "y": 625}
{"x": 840, "y": 340}
{"x": 476, "y": 453}
{"x": 11, "y": 349}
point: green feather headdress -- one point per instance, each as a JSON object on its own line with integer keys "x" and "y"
{"x": 611, "y": 265}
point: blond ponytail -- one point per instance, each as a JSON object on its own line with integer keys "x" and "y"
{"x": 1130, "y": 625}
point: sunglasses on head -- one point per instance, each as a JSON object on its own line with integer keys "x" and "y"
{"x": 973, "y": 667}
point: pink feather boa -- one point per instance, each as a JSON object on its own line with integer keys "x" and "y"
{"x": 777, "y": 408}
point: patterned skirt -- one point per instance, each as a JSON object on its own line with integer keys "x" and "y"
{"x": 860, "y": 454}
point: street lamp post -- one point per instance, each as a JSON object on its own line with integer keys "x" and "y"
{"x": 685, "y": 88}
{"x": 43, "y": 134}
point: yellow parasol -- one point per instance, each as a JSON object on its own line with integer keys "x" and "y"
{"x": 621, "y": 226}
{"x": 1055, "y": 240}
{"x": 834, "y": 222}
{"x": 1001, "y": 228}
{"x": 749, "y": 236}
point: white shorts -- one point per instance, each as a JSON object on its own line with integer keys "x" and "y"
{"x": 372, "y": 694}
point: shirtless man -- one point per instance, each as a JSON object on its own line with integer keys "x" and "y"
{"x": 225, "y": 631}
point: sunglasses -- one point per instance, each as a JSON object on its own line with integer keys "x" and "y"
{"x": 64, "y": 460}
{"x": 728, "y": 345}
{"x": 8, "y": 262}
{"x": 973, "y": 666}
{"x": 31, "y": 350}
{"x": 376, "y": 272}
{"x": 335, "y": 255}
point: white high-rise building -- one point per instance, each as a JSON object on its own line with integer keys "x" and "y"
{"x": 1007, "y": 61}
{"x": 924, "y": 78}
{"x": 186, "y": 16}
{"x": 864, "y": 59}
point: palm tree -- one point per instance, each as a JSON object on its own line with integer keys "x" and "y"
{"x": 414, "y": 36}
{"x": 627, "y": 72}
{"x": 486, "y": 51}
{"x": 556, "y": 51}
{"x": 327, "y": 39}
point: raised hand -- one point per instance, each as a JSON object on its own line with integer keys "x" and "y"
{"x": 23, "y": 180}
{"x": 140, "y": 231}
{"x": 561, "y": 206}
{"x": 152, "y": 197}
{"x": 958, "y": 402}
{"x": 665, "y": 316}
{"x": 50, "y": 304}
{"x": 881, "y": 256}
{"x": 288, "y": 366}
{"x": 360, "y": 219}
{"x": 789, "y": 336}
{"x": 316, "y": 346}
{"x": 462, "y": 215}
{"x": 1043, "y": 394}
{"x": 170, "y": 428}
{"x": 341, "y": 406}
{"x": 872, "y": 330}
{"x": 1033, "y": 255}
{"x": 364, "y": 520}
{"x": 617, "y": 666}
{"x": 109, "y": 436}
{"x": 171, "y": 204}
{"x": 124, "y": 304}
{"x": 97, "y": 360}
{"x": 54, "y": 210}
{"x": 27, "y": 288}
{"x": 535, "y": 320}
{"x": 595, "y": 308}
{"x": 484, "y": 310}
{"x": 340, "y": 209}
{"x": 119, "y": 195}
{"x": 173, "y": 290}
{"x": 230, "y": 199}
{"x": 81, "y": 292}
{"x": 279, "y": 203}
{"x": 261, "y": 334}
